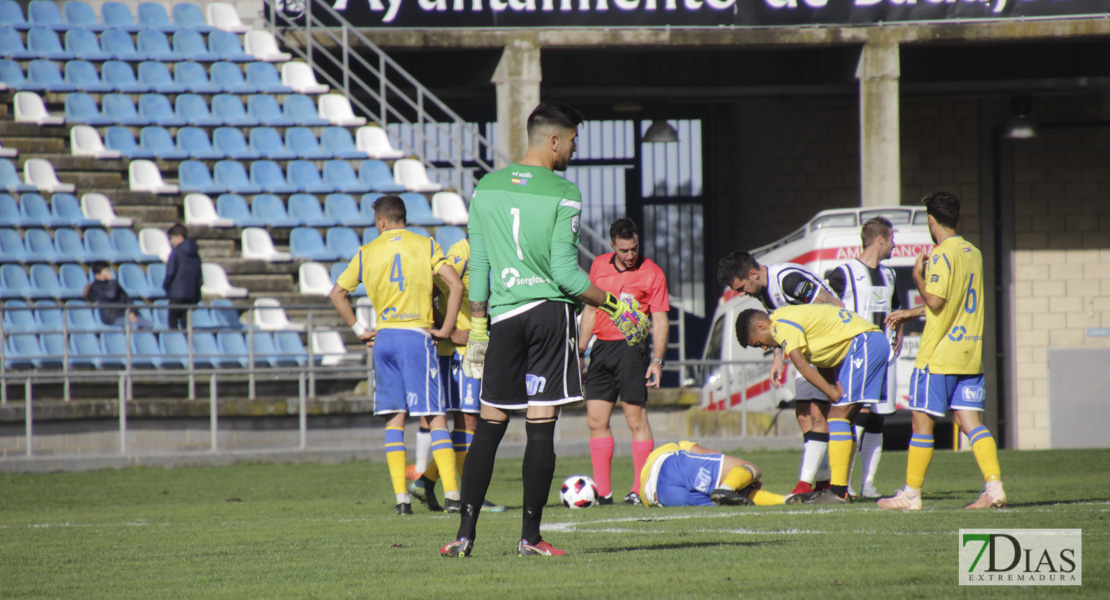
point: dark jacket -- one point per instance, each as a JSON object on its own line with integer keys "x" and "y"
{"x": 108, "y": 292}
{"x": 183, "y": 278}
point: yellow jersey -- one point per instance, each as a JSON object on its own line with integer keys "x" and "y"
{"x": 952, "y": 341}
{"x": 458, "y": 256}
{"x": 822, "y": 332}
{"x": 649, "y": 475}
{"x": 398, "y": 269}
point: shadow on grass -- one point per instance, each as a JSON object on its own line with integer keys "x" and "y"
{"x": 674, "y": 546}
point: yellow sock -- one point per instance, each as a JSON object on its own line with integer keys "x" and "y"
{"x": 917, "y": 462}
{"x": 443, "y": 451}
{"x": 765, "y": 498}
{"x": 841, "y": 447}
{"x": 460, "y": 458}
{"x": 432, "y": 472}
{"x": 738, "y": 478}
{"x": 985, "y": 450}
{"x": 395, "y": 457}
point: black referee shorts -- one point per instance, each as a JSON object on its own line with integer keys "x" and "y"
{"x": 617, "y": 369}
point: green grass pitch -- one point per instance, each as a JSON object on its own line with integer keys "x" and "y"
{"x": 328, "y": 531}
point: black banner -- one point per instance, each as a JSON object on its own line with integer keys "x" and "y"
{"x": 412, "y": 14}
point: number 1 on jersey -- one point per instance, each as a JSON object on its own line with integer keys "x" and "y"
{"x": 516, "y": 232}
{"x": 396, "y": 274}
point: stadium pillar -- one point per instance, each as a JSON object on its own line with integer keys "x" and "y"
{"x": 880, "y": 159}
{"x": 517, "y": 78}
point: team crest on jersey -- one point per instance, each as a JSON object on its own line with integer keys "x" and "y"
{"x": 574, "y": 224}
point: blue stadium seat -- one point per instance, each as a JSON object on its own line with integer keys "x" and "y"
{"x": 229, "y": 76}
{"x": 229, "y": 142}
{"x": 266, "y": 351}
{"x": 303, "y": 111}
{"x": 264, "y": 77}
{"x": 267, "y": 110}
{"x": 114, "y": 348}
{"x": 234, "y": 207}
{"x": 306, "y": 209}
{"x": 232, "y": 176}
{"x": 206, "y": 348}
{"x": 189, "y": 16}
{"x": 84, "y": 44}
{"x": 153, "y": 16}
{"x": 119, "y": 75}
{"x": 98, "y": 246}
{"x": 11, "y": 15}
{"x": 419, "y": 231}
{"x": 302, "y": 141}
{"x": 343, "y": 241}
{"x": 156, "y": 46}
{"x": 145, "y": 347}
{"x": 226, "y": 46}
{"x": 448, "y": 236}
{"x": 157, "y": 110}
{"x": 194, "y": 110}
{"x": 9, "y": 212}
{"x": 193, "y": 142}
{"x": 9, "y": 177}
{"x": 340, "y": 175}
{"x": 82, "y": 75}
{"x": 344, "y": 209}
{"x": 159, "y": 142}
{"x": 23, "y": 351}
{"x": 118, "y": 43}
{"x": 84, "y": 352}
{"x": 202, "y": 318}
{"x": 45, "y": 75}
{"x": 155, "y": 275}
{"x": 14, "y": 283}
{"x": 36, "y": 212}
{"x": 11, "y": 44}
{"x": 193, "y": 78}
{"x": 307, "y": 243}
{"x": 12, "y": 249}
{"x": 45, "y": 280}
{"x": 49, "y": 316}
{"x": 118, "y": 15}
{"x": 268, "y": 175}
{"x": 81, "y": 14}
{"x": 175, "y": 349}
{"x": 67, "y": 212}
{"x": 190, "y": 46}
{"x": 72, "y": 277}
{"x": 418, "y": 210}
{"x": 306, "y": 177}
{"x": 81, "y": 108}
{"x": 42, "y": 13}
{"x": 11, "y": 75}
{"x": 234, "y": 347}
{"x": 120, "y": 139}
{"x": 224, "y": 314}
{"x": 54, "y": 347}
{"x": 229, "y": 110}
{"x": 267, "y": 142}
{"x": 40, "y": 247}
{"x": 156, "y": 76}
{"x": 19, "y": 317}
{"x": 120, "y": 109}
{"x": 289, "y": 345}
{"x": 43, "y": 42}
{"x": 127, "y": 245}
{"x": 193, "y": 176}
{"x": 68, "y": 243}
{"x": 378, "y": 175}
{"x": 271, "y": 210}
{"x": 337, "y": 270}
{"x": 134, "y": 281}
{"x": 338, "y": 142}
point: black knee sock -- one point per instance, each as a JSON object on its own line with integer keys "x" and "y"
{"x": 538, "y": 469}
{"x": 478, "y": 467}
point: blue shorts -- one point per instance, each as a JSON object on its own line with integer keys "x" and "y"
{"x": 863, "y": 372}
{"x": 935, "y": 394}
{"x": 406, "y": 373}
{"x": 686, "y": 478}
{"x": 460, "y": 393}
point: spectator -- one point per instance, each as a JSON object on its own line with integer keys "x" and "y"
{"x": 104, "y": 289}
{"x": 182, "y": 282}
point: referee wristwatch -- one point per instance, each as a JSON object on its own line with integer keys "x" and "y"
{"x": 662, "y": 363}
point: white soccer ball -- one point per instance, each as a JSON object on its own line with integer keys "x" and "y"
{"x": 578, "y": 491}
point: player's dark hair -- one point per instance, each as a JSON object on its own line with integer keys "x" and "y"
{"x": 391, "y": 208}
{"x": 624, "y": 229}
{"x": 744, "y": 322}
{"x": 554, "y": 114}
{"x": 943, "y": 207}
{"x": 737, "y": 265}
{"x": 177, "y": 229}
{"x": 873, "y": 228}
{"x": 98, "y": 266}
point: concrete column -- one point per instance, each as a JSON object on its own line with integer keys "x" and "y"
{"x": 880, "y": 158}
{"x": 517, "y": 78}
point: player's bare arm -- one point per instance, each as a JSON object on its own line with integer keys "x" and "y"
{"x": 586, "y": 328}
{"x": 660, "y": 331}
{"x": 338, "y": 297}
{"x": 449, "y": 276}
{"x": 814, "y": 376}
{"x": 777, "y": 366}
{"x": 896, "y": 318}
{"x": 934, "y": 302}
{"x": 824, "y": 297}
{"x": 479, "y": 309}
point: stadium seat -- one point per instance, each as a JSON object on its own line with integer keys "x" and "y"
{"x": 289, "y": 345}
{"x": 81, "y": 108}
{"x": 301, "y": 110}
{"x": 343, "y": 241}
{"x": 313, "y": 279}
{"x": 67, "y": 211}
{"x": 225, "y": 315}
{"x": 42, "y": 13}
{"x": 257, "y": 245}
{"x": 10, "y": 215}
{"x": 225, "y": 45}
{"x": 193, "y": 176}
{"x": 9, "y": 179}
{"x": 127, "y": 245}
{"x": 232, "y": 176}
{"x": 160, "y": 143}
{"x": 23, "y": 351}
{"x": 267, "y": 142}
{"x": 450, "y": 207}
{"x": 337, "y": 110}
{"x": 298, "y": 76}
{"x": 337, "y": 142}
{"x": 118, "y": 15}
{"x": 270, "y": 316}
{"x": 144, "y": 176}
{"x": 193, "y": 142}
{"x": 230, "y": 143}
{"x": 18, "y": 317}
{"x": 156, "y": 274}
{"x": 68, "y": 243}
{"x": 98, "y": 246}
{"x": 448, "y": 236}
{"x": 303, "y": 175}
{"x": 419, "y": 230}
{"x": 43, "y": 42}
{"x": 11, "y": 75}
{"x": 132, "y": 278}
{"x": 305, "y": 208}
{"x": 157, "y": 78}
{"x": 72, "y": 277}
{"x": 45, "y": 280}
{"x": 49, "y": 316}
{"x": 216, "y": 283}
{"x": 229, "y": 76}
{"x": 270, "y": 210}
{"x": 40, "y": 247}
{"x": 264, "y": 77}
{"x": 11, "y": 44}
{"x": 193, "y": 78}
{"x": 344, "y": 209}
{"x": 156, "y": 109}
{"x": 12, "y": 249}
{"x": 174, "y": 347}
{"x": 263, "y": 46}
{"x": 341, "y": 176}
{"x": 40, "y": 173}
{"x": 194, "y": 110}
{"x": 234, "y": 207}
{"x": 98, "y": 207}
{"x": 377, "y": 176}
{"x": 118, "y": 43}
{"x": 410, "y": 173}
{"x": 45, "y": 75}
{"x": 11, "y": 15}
{"x": 119, "y": 139}
{"x": 115, "y": 348}
{"x": 8, "y": 152}
{"x": 302, "y": 141}
{"x": 36, "y": 212}
{"x": 229, "y": 109}
{"x": 84, "y": 351}
{"x": 29, "y": 108}
{"x": 224, "y": 16}
{"x": 266, "y": 109}
{"x": 365, "y": 313}
{"x": 307, "y": 243}
{"x": 14, "y": 282}
{"x": 145, "y": 348}
{"x": 187, "y": 15}
{"x": 189, "y": 45}
{"x": 82, "y": 75}
{"x": 119, "y": 109}
{"x": 85, "y": 45}
{"x": 199, "y": 210}
{"x": 153, "y": 16}
{"x": 266, "y": 350}
{"x": 119, "y": 75}
{"x": 233, "y": 347}
{"x": 155, "y": 242}
{"x": 80, "y": 14}
{"x": 267, "y": 175}
{"x": 328, "y": 346}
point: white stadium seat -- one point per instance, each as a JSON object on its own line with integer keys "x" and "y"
{"x": 410, "y": 173}
{"x": 257, "y": 245}
{"x": 373, "y": 141}
{"x": 144, "y": 176}
{"x": 217, "y": 284}
{"x": 98, "y": 207}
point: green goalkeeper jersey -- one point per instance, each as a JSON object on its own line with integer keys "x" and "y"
{"x": 523, "y": 229}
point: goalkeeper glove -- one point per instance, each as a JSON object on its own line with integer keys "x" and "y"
{"x": 475, "y": 357}
{"x": 630, "y": 321}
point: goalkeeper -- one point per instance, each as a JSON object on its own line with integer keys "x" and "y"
{"x": 524, "y": 284}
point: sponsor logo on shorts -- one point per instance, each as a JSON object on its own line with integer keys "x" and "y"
{"x": 857, "y": 362}
{"x": 534, "y": 384}
{"x": 973, "y": 393}
{"x": 1021, "y": 557}
{"x": 703, "y": 480}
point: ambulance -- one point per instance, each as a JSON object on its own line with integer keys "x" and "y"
{"x": 829, "y": 239}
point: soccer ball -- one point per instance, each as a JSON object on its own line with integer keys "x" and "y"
{"x": 578, "y": 491}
